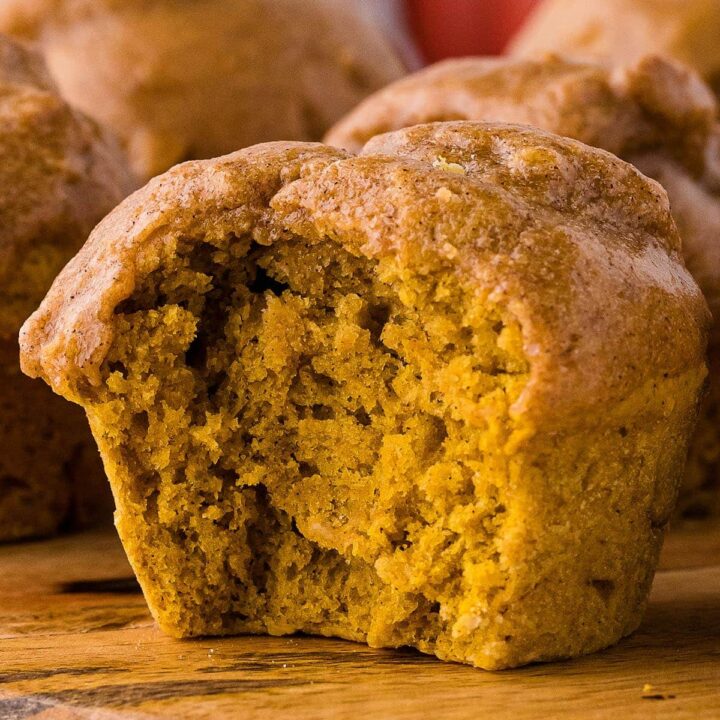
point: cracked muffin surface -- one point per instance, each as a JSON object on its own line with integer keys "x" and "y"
{"x": 654, "y": 114}
{"x": 186, "y": 80}
{"x": 437, "y": 394}
{"x": 58, "y": 176}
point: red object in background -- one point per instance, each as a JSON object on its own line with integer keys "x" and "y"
{"x": 457, "y": 28}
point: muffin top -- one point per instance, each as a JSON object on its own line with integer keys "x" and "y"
{"x": 188, "y": 80}
{"x": 655, "y": 114}
{"x": 652, "y": 104}
{"x": 577, "y": 245}
{"x": 59, "y": 175}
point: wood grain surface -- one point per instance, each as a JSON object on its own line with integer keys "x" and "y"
{"x": 76, "y": 641}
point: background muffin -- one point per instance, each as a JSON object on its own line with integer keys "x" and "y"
{"x": 626, "y": 30}
{"x": 59, "y": 175}
{"x": 195, "y": 79}
{"x": 438, "y": 394}
{"x": 654, "y": 114}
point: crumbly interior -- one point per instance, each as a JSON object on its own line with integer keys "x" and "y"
{"x": 309, "y": 440}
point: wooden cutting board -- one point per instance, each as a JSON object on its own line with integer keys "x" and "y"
{"x": 76, "y": 641}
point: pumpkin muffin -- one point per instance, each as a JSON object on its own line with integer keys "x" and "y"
{"x": 654, "y": 114}
{"x": 186, "y": 80}
{"x": 626, "y": 30}
{"x": 58, "y": 176}
{"x": 438, "y": 394}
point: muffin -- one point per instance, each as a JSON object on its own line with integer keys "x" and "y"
{"x": 186, "y": 80}
{"x": 438, "y": 394}
{"x": 58, "y": 176}
{"x": 654, "y": 114}
{"x": 626, "y": 30}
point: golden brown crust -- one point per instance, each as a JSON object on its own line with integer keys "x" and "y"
{"x": 570, "y": 256}
{"x": 59, "y": 174}
{"x": 653, "y": 104}
{"x": 654, "y": 114}
{"x": 580, "y": 231}
{"x": 626, "y": 30}
{"x": 173, "y": 81}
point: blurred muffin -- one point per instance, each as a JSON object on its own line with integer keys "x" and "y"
{"x": 59, "y": 175}
{"x": 626, "y": 30}
{"x": 185, "y": 80}
{"x": 655, "y": 114}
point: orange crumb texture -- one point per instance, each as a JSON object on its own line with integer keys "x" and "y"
{"x": 437, "y": 394}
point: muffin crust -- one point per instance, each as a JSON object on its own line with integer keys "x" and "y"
{"x": 654, "y": 114}
{"x": 437, "y": 394}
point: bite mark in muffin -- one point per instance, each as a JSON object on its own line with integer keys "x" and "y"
{"x": 316, "y": 417}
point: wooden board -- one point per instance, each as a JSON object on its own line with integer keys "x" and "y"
{"x": 76, "y": 641}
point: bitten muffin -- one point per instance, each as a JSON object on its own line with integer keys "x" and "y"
{"x": 438, "y": 394}
{"x": 186, "y": 80}
{"x": 58, "y": 176}
{"x": 627, "y": 30}
{"x": 653, "y": 114}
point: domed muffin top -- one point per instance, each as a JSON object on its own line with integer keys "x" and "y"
{"x": 59, "y": 174}
{"x": 655, "y": 114}
{"x": 577, "y": 245}
{"x": 652, "y": 104}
